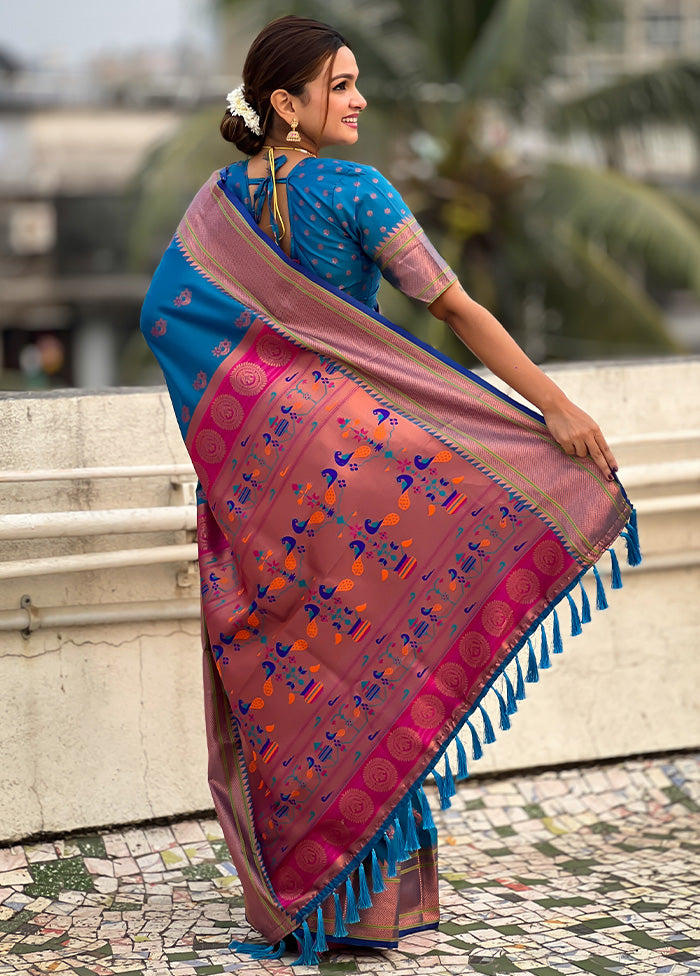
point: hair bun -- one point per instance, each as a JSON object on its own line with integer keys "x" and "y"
{"x": 234, "y": 129}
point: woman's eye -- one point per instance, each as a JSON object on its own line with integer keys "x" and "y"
{"x": 341, "y": 86}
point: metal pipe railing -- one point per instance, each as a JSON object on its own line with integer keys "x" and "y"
{"x": 49, "y": 565}
{"x": 77, "y": 474}
{"x": 54, "y": 525}
{"x": 28, "y": 618}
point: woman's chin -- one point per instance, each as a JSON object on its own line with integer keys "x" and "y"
{"x": 348, "y": 138}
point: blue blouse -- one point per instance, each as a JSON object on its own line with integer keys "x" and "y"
{"x": 349, "y": 226}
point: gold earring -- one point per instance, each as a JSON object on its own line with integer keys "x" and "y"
{"x": 293, "y": 135}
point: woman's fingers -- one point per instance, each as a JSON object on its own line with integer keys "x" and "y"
{"x": 580, "y": 436}
{"x": 596, "y": 446}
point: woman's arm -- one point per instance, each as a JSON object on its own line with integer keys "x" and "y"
{"x": 572, "y": 428}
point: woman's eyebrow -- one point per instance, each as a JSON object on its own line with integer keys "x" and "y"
{"x": 338, "y": 77}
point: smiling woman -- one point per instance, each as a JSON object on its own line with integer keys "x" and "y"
{"x": 380, "y": 532}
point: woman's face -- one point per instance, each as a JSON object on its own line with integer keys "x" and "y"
{"x": 345, "y": 103}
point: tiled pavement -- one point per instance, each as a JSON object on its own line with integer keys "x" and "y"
{"x": 592, "y": 870}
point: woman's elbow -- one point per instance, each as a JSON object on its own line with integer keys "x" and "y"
{"x": 453, "y": 304}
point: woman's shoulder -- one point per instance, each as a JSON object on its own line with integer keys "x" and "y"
{"x": 237, "y": 167}
{"x": 341, "y": 169}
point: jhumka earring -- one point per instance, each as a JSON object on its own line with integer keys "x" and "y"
{"x": 293, "y": 135}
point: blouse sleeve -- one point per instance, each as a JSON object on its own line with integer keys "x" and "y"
{"x": 391, "y": 236}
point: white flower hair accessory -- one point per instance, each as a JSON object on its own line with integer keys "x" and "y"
{"x": 237, "y": 105}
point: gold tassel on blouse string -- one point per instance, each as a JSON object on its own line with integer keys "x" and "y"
{"x": 276, "y": 213}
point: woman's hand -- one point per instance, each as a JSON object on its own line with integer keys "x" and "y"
{"x": 572, "y": 428}
{"x": 579, "y": 435}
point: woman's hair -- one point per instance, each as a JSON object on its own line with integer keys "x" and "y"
{"x": 286, "y": 54}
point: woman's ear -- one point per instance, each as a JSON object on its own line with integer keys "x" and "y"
{"x": 283, "y": 103}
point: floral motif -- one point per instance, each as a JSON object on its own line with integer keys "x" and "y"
{"x": 184, "y": 298}
{"x": 248, "y": 379}
{"x": 185, "y": 414}
{"x": 451, "y": 679}
{"x": 310, "y": 856}
{"x": 289, "y": 883}
{"x": 380, "y": 775}
{"x": 336, "y": 832}
{"x": 548, "y": 557}
{"x": 428, "y": 712}
{"x": 404, "y": 743}
{"x": 474, "y": 649}
{"x": 159, "y": 328}
{"x": 226, "y": 412}
{"x": 273, "y": 350}
{"x": 356, "y": 805}
{"x": 223, "y": 349}
{"x": 237, "y": 105}
{"x": 497, "y": 617}
{"x": 210, "y": 446}
{"x": 244, "y": 319}
{"x": 200, "y": 381}
{"x": 523, "y": 586}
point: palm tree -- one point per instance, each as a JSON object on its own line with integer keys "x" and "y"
{"x": 565, "y": 254}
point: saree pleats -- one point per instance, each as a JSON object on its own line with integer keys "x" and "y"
{"x": 381, "y": 534}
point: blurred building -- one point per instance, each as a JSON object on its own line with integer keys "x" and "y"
{"x": 71, "y": 142}
{"x": 646, "y": 33}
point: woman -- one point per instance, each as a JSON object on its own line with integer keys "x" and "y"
{"x": 380, "y": 532}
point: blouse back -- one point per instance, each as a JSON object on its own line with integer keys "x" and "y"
{"x": 349, "y": 226}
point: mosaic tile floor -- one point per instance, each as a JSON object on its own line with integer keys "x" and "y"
{"x": 593, "y": 870}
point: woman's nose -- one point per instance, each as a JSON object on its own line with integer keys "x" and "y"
{"x": 359, "y": 101}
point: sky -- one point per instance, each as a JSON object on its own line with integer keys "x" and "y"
{"x": 73, "y": 31}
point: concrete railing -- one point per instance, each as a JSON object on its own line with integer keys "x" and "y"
{"x": 99, "y": 631}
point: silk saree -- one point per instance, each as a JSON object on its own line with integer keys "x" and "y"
{"x": 384, "y": 540}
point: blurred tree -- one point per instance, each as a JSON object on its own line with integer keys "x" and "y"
{"x": 561, "y": 252}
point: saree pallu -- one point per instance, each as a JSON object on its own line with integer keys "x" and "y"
{"x": 381, "y": 536}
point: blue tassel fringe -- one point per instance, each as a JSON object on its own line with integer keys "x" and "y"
{"x": 364, "y": 899}
{"x": 489, "y": 735}
{"x": 351, "y": 913}
{"x": 462, "y": 768}
{"x": 616, "y": 583}
{"x": 339, "y": 931}
{"x": 631, "y": 537}
{"x": 426, "y": 813}
{"x": 557, "y": 646}
{"x": 585, "y": 605}
{"x": 308, "y": 955}
{"x": 601, "y": 601}
{"x": 377, "y": 879}
{"x": 477, "y": 751}
{"x": 258, "y": 951}
{"x": 320, "y": 945}
{"x": 511, "y": 704}
{"x": 575, "y": 619}
{"x": 504, "y": 722}
{"x": 533, "y": 675}
{"x": 390, "y": 856}
{"x": 411, "y": 836}
{"x": 399, "y": 842}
